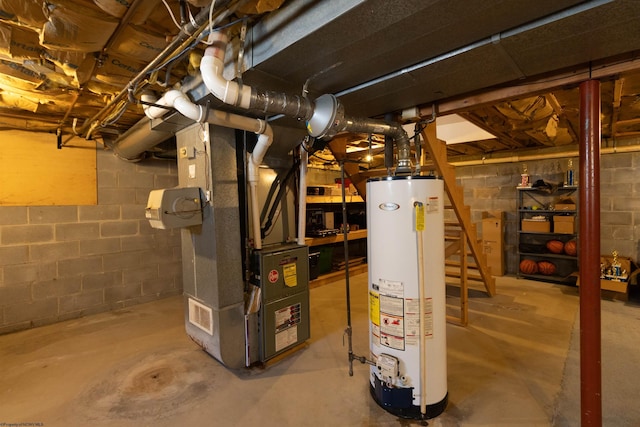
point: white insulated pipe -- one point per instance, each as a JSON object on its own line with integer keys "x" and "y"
{"x": 302, "y": 197}
{"x": 253, "y": 176}
{"x": 178, "y": 100}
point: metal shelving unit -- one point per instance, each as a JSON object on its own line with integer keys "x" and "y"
{"x": 534, "y": 202}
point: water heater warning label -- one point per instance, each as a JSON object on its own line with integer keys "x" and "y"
{"x": 392, "y": 322}
{"x": 374, "y": 307}
{"x": 412, "y": 318}
{"x": 433, "y": 204}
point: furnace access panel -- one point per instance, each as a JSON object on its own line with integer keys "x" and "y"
{"x": 283, "y": 275}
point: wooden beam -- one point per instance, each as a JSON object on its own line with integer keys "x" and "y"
{"x": 535, "y": 87}
{"x": 338, "y": 147}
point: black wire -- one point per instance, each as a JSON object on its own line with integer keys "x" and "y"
{"x": 281, "y": 192}
{"x": 313, "y": 153}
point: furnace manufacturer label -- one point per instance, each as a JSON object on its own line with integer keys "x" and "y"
{"x": 290, "y": 274}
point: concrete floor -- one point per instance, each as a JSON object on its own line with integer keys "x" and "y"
{"x": 514, "y": 365}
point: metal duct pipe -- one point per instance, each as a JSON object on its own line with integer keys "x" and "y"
{"x": 137, "y": 139}
{"x": 324, "y": 118}
{"x": 395, "y": 131}
{"x": 329, "y": 119}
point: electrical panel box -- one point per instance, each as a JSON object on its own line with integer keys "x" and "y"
{"x": 283, "y": 275}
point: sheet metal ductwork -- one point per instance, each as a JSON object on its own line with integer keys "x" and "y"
{"x": 200, "y": 114}
{"x": 141, "y": 137}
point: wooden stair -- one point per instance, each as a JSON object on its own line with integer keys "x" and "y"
{"x": 438, "y": 153}
{"x": 457, "y": 270}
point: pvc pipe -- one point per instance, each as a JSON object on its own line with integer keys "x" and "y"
{"x": 151, "y": 111}
{"x": 255, "y": 215}
{"x": 589, "y": 255}
{"x": 253, "y": 176}
{"x": 212, "y": 67}
{"x": 302, "y": 197}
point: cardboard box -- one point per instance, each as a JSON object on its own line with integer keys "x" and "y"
{"x": 532, "y": 226}
{"x": 493, "y": 241}
{"x": 565, "y": 206}
{"x": 619, "y": 285}
{"x": 564, "y": 224}
{"x": 612, "y": 283}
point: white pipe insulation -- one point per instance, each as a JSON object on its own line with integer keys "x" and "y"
{"x": 302, "y": 197}
{"x": 178, "y": 100}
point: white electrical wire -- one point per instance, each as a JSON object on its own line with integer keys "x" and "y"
{"x": 173, "y": 18}
{"x": 211, "y": 9}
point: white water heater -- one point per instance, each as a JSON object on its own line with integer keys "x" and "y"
{"x": 407, "y": 319}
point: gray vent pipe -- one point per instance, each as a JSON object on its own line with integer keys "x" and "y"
{"x": 324, "y": 117}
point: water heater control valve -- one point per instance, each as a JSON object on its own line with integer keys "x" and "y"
{"x": 389, "y": 368}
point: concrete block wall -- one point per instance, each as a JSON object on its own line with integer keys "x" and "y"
{"x": 64, "y": 262}
{"x": 493, "y": 187}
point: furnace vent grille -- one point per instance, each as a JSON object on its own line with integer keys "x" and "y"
{"x": 201, "y": 316}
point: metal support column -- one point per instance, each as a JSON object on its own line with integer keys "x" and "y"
{"x": 589, "y": 255}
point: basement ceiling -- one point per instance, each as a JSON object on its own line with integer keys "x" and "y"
{"x": 512, "y": 68}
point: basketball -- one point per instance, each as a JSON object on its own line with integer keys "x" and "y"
{"x": 528, "y": 266}
{"x": 547, "y": 268}
{"x": 571, "y": 248}
{"x": 555, "y": 246}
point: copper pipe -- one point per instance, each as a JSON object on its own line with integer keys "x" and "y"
{"x": 589, "y": 255}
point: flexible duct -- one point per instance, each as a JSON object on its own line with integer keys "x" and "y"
{"x": 325, "y": 117}
{"x": 180, "y": 101}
